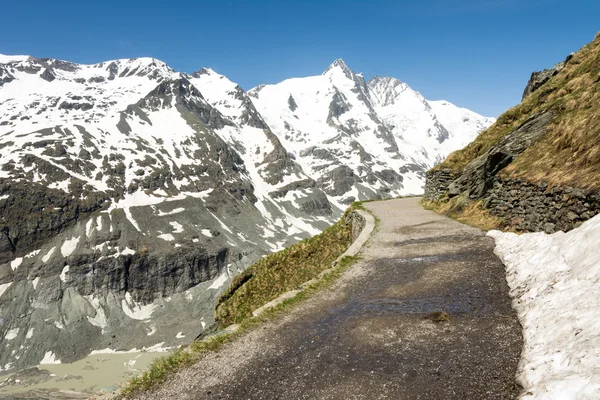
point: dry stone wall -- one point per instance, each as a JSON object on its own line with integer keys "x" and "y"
{"x": 536, "y": 207}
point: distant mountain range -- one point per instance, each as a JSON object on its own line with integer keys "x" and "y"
{"x": 131, "y": 193}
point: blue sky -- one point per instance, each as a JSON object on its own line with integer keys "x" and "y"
{"x": 475, "y": 53}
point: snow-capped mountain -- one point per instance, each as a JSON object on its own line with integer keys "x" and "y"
{"x": 361, "y": 139}
{"x": 131, "y": 193}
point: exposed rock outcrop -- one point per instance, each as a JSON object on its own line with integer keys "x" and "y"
{"x": 539, "y": 78}
{"x": 478, "y": 176}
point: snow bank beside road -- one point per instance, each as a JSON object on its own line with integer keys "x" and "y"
{"x": 554, "y": 281}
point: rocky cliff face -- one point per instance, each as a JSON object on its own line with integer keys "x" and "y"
{"x": 538, "y": 78}
{"x": 130, "y": 194}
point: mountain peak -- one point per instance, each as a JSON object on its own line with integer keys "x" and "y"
{"x": 339, "y": 63}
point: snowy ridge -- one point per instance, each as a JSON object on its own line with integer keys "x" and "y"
{"x": 554, "y": 281}
{"x": 361, "y": 139}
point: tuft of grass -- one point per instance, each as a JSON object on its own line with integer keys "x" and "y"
{"x": 569, "y": 153}
{"x": 439, "y": 316}
{"x": 468, "y": 212}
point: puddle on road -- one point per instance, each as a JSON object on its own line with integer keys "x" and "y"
{"x": 93, "y": 374}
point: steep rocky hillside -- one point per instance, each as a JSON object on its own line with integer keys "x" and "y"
{"x": 130, "y": 193}
{"x": 537, "y": 167}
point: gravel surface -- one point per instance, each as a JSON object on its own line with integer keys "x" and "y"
{"x": 424, "y": 315}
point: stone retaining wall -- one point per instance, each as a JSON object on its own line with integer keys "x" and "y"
{"x": 437, "y": 183}
{"x": 531, "y": 207}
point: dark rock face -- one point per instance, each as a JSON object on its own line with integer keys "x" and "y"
{"x": 337, "y": 181}
{"x": 292, "y": 103}
{"x": 338, "y": 106}
{"x": 48, "y": 75}
{"x": 539, "y": 78}
{"x": 33, "y": 213}
{"x": 478, "y": 176}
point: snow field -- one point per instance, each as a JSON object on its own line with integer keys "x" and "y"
{"x": 554, "y": 281}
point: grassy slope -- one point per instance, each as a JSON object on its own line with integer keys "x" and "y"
{"x": 569, "y": 154}
{"x": 280, "y": 272}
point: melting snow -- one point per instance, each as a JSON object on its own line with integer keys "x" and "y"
{"x": 166, "y": 236}
{"x": 48, "y": 255}
{"x": 99, "y": 319}
{"x": 555, "y": 282}
{"x": 14, "y": 264}
{"x": 50, "y": 358}
{"x": 180, "y": 335}
{"x": 11, "y": 334}
{"x": 35, "y": 282}
{"x": 69, "y": 246}
{"x": 175, "y": 211}
{"x": 3, "y": 288}
{"x": 206, "y": 233}
{"x": 88, "y": 227}
{"x": 128, "y": 251}
{"x": 136, "y": 310}
{"x": 63, "y": 274}
{"x": 29, "y": 333}
{"x": 177, "y": 227}
{"x": 32, "y": 254}
{"x": 220, "y": 281}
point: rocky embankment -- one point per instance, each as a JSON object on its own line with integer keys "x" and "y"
{"x": 525, "y": 196}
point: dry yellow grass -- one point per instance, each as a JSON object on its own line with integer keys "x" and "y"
{"x": 468, "y": 212}
{"x": 280, "y": 272}
{"x": 569, "y": 154}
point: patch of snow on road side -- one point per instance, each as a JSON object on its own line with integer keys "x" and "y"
{"x": 554, "y": 281}
{"x": 50, "y": 358}
{"x": 220, "y": 281}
